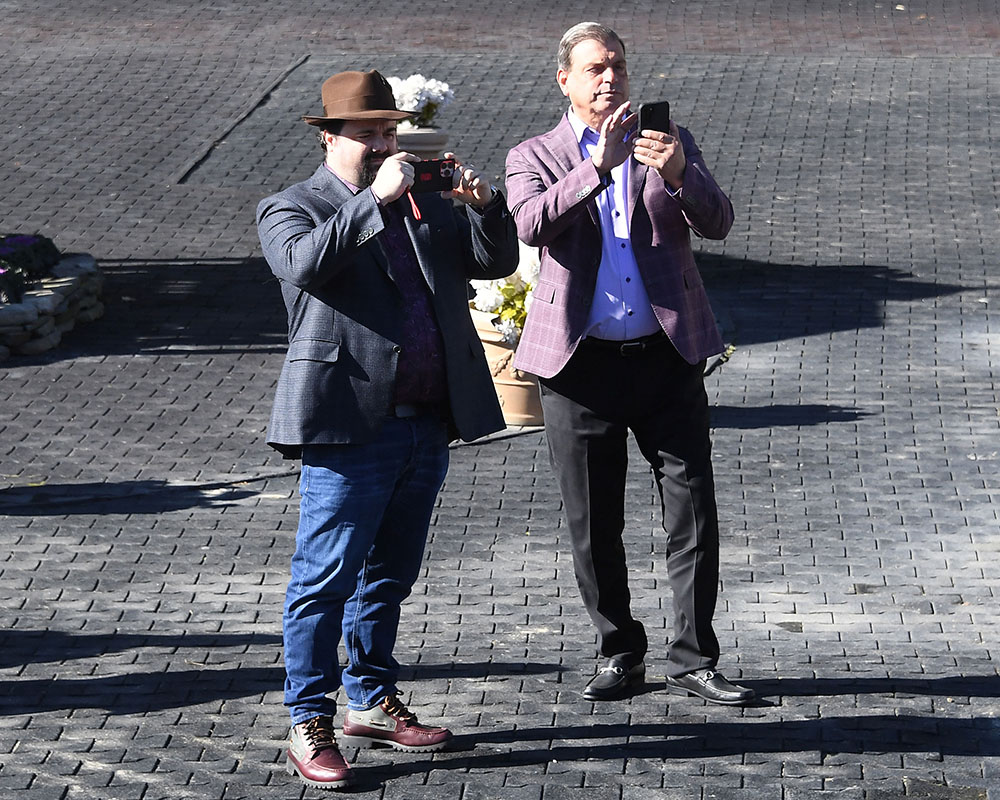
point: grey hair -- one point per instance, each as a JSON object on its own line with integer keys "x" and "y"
{"x": 581, "y": 32}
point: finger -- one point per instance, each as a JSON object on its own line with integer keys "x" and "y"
{"x": 402, "y": 155}
{"x": 470, "y": 176}
{"x": 608, "y": 125}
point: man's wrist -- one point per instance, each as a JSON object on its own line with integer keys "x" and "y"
{"x": 602, "y": 171}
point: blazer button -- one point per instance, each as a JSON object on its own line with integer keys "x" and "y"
{"x": 397, "y": 349}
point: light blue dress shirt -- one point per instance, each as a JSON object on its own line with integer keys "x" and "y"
{"x": 621, "y": 309}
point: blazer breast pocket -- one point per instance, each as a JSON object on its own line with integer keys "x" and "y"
{"x": 544, "y": 292}
{"x": 692, "y": 279}
{"x": 313, "y": 350}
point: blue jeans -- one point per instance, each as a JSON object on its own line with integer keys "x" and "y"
{"x": 363, "y": 519}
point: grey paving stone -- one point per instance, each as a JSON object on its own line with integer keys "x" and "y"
{"x": 855, "y": 425}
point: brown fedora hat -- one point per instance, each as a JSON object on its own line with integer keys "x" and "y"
{"x": 357, "y": 95}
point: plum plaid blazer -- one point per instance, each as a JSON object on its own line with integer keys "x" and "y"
{"x": 550, "y": 190}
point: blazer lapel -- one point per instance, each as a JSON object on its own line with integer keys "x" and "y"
{"x": 420, "y": 236}
{"x": 636, "y": 181}
{"x": 328, "y": 186}
{"x": 565, "y": 149}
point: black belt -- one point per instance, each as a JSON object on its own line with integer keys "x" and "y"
{"x": 629, "y": 347}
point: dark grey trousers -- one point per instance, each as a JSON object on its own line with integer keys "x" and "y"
{"x": 590, "y": 407}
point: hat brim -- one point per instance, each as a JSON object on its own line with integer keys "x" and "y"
{"x": 376, "y": 114}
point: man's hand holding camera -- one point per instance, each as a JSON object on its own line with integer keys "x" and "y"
{"x": 393, "y": 178}
{"x": 396, "y": 176}
{"x": 470, "y": 185}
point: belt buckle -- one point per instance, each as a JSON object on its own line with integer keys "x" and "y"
{"x": 628, "y": 348}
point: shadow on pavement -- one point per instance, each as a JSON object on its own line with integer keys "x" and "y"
{"x": 874, "y": 733}
{"x": 769, "y": 302}
{"x": 134, "y": 497}
{"x": 961, "y": 686}
{"x": 20, "y": 647}
{"x": 475, "y": 669}
{"x": 174, "y": 306}
{"x": 782, "y": 415}
{"x": 140, "y": 692}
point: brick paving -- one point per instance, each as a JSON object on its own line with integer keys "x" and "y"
{"x": 856, "y": 424}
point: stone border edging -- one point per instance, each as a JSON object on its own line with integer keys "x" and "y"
{"x": 53, "y": 305}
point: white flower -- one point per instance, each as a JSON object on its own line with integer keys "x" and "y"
{"x": 509, "y": 298}
{"x": 488, "y": 296}
{"x": 529, "y": 264}
{"x": 425, "y": 96}
{"x": 508, "y": 331}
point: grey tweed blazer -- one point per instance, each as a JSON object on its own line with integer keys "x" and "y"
{"x": 345, "y": 310}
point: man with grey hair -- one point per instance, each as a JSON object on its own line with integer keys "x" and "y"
{"x": 618, "y": 332}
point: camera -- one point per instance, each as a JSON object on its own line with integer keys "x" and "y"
{"x": 433, "y": 175}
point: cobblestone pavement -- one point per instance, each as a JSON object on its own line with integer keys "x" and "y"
{"x": 856, "y": 424}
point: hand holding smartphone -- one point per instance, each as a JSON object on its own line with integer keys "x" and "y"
{"x": 654, "y": 117}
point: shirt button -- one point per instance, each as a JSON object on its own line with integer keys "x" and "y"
{"x": 628, "y": 280}
{"x": 623, "y": 246}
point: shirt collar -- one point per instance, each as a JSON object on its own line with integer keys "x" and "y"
{"x": 343, "y": 180}
{"x": 581, "y": 130}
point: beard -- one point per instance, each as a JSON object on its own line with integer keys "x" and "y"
{"x": 369, "y": 169}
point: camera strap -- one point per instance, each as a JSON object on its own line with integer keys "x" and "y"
{"x": 413, "y": 205}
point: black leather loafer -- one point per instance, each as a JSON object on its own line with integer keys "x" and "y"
{"x": 615, "y": 680}
{"x": 710, "y": 685}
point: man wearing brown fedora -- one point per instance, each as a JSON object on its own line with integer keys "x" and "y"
{"x": 383, "y": 369}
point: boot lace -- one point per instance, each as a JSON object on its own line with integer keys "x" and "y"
{"x": 318, "y": 732}
{"x": 394, "y": 707}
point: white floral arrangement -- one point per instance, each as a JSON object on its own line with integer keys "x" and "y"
{"x": 509, "y": 298}
{"x": 425, "y": 96}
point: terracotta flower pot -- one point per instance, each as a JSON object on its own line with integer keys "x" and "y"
{"x": 516, "y": 390}
{"x": 423, "y": 142}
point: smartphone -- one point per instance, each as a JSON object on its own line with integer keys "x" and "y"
{"x": 654, "y": 117}
{"x": 433, "y": 175}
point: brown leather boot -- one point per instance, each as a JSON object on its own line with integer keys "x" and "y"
{"x": 392, "y": 724}
{"x": 314, "y": 756}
